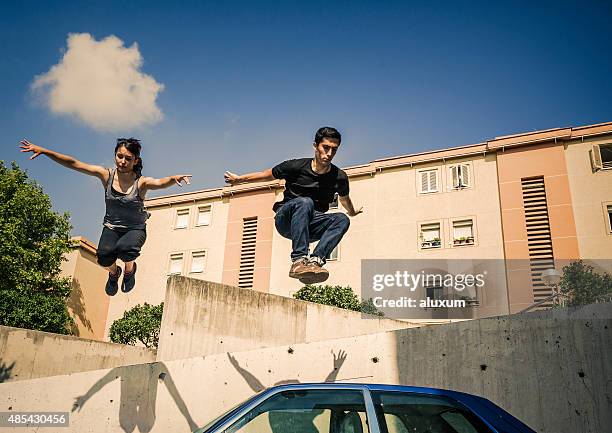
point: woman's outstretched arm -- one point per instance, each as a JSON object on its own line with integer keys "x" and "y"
{"x": 149, "y": 183}
{"x": 66, "y": 160}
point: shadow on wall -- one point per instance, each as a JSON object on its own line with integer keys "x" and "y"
{"x": 76, "y": 303}
{"x": 5, "y": 371}
{"x": 257, "y": 386}
{"x": 138, "y": 395}
{"x": 280, "y": 420}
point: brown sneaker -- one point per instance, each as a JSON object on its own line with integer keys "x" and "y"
{"x": 318, "y": 273}
{"x": 300, "y": 269}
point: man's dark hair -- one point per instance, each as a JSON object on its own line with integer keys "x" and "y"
{"x": 329, "y": 133}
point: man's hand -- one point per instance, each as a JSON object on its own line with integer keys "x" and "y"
{"x": 26, "y": 146}
{"x": 355, "y": 212}
{"x": 231, "y": 178}
{"x": 182, "y": 178}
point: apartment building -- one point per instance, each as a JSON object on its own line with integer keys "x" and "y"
{"x": 529, "y": 201}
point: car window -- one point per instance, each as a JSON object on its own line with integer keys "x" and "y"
{"x": 395, "y": 424}
{"x": 402, "y": 412}
{"x": 213, "y": 421}
{"x": 306, "y": 411}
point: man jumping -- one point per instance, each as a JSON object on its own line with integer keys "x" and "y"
{"x": 310, "y": 186}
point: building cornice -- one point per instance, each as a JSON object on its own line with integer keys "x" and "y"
{"x": 555, "y": 136}
{"x": 84, "y": 243}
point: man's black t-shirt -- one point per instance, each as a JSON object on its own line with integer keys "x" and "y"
{"x": 302, "y": 181}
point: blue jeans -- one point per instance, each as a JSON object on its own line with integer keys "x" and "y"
{"x": 299, "y": 221}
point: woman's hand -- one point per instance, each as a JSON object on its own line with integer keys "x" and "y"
{"x": 26, "y": 146}
{"x": 182, "y": 178}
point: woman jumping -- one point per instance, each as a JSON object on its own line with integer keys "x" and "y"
{"x": 124, "y": 231}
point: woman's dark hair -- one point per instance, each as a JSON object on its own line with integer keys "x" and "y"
{"x": 329, "y": 133}
{"x": 133, "y": 146}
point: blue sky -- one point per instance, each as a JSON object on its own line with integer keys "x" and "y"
{"x": 246, "y": 84}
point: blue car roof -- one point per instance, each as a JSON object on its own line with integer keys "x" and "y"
{"x": 487, "y": 410}
{"x": 375, "y": 387}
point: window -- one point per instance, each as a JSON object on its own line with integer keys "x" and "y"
{"x": 434, "y": 292}
{"x": 428, "y": 180}
{"x": 460, "y": 176}
{"x": 198, "y": 260}
{"x": 601, "y": 157}
{"x": 463, "y": 232}
{"x": 335, "y": 253}
{"x": 306, "y": 411}
{"x": 411, "y": 412}
{"x": 176, "y": 264}
{"x": 203, "y": 215}
{"x": 610, "y": 218}
{"x": 430, "y": 235}
{"x": 182, "y": 219}
{"x": 334, "y": 203}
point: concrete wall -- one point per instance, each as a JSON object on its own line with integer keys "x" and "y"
{"x": 201, "y": 318}
{"x": 27, "y": 354}
{"x": 551, "y": 369}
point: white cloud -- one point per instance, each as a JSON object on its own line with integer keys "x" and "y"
{"x": 100, "y": 83}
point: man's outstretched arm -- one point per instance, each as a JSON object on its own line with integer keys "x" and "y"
{"x": 259, "y": 176}
{"x": 347, "y": 204}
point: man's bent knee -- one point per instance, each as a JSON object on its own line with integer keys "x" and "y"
{"x": 343, "y": 220}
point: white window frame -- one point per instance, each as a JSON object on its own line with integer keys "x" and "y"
{"x": 597, "y": 162}
{"x": 430, "y": 244}
{"x": 419, "y": 180}
{"x": 197, "y": 221}
{"x": 182, "y": 211}
{"x": 465, "y": 175}
{"x": 337, "y": 258}
{"x": 335, "y": 204}
{"x": 607, "y": 208}
{"x": 456, "y": 242}
{"x": 192, "y": 255}
{"x": 175, "y": 255}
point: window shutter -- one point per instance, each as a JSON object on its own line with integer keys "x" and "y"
{"x": 465, "y": 175}
{"x": 247, "y": 253}
{"x": 596, "y": 158}
{"x": 539, "y": 238}
{"x": 204, "y": 215}
{"x": 176, "y": 263}
{"x": 424, "y": 181}
{"x": 198, "y": 260}
{"x": 430, "y": 231}
{"x": 455, "y": 176}
{"x": 433, "y": 181}
{"x": 182, "y": 219}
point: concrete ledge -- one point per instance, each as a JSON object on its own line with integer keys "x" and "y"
{"x": 27, "y": 354}
{"x": 202, "y": 318}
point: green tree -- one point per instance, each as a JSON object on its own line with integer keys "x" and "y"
{"x": 583, "y": 285}
{"x": 141, "y": 323}
{"x": 336, "y": 296}
{"x": 33, "y": 241}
